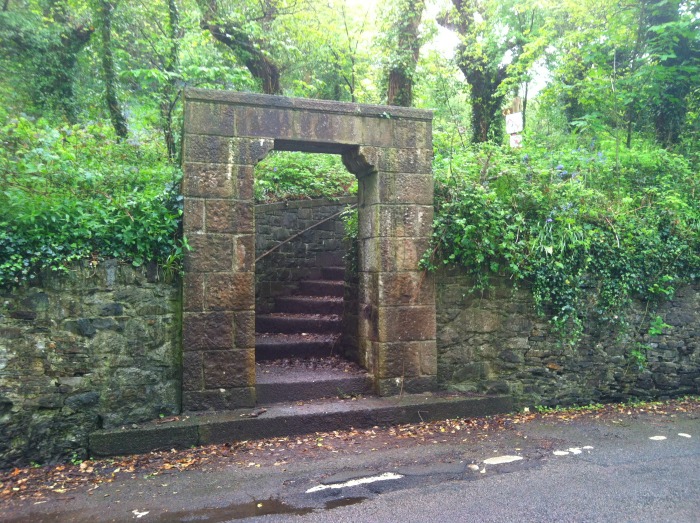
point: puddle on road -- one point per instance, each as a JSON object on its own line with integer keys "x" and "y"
{"x": 251, "y": 509}
{"x": 343, "y": 502}
{"x": 272, "y": 506}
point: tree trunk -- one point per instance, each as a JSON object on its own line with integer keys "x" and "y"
{"x": 527, "y": 87}
{"x": 487, "y": 121}
{"x": 678, "y": 55}
{"x": 255, "y": 60}
{"x": 400, "y": 78}
{"x": 105, "y": 9}
{"x": 170, "y": 94}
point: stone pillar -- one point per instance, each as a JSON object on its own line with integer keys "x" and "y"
{"x": 219, "y": 281}
{"x": 397, "y": 330}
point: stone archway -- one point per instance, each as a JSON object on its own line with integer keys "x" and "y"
{"x": 389, "y": 149}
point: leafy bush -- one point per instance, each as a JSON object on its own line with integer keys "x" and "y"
{"x": 585, "y": 230}
{"x": 75, "y": 192}
{"x": 295, "y": 176}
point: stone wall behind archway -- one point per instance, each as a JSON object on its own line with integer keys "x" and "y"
{"x": 389, "y": 149}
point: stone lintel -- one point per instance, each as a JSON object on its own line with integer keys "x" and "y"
{"x": 306, "y": 121}
{"x": 305, "y": 105}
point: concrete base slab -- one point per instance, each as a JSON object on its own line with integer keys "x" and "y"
{"x": 286, "y": 419}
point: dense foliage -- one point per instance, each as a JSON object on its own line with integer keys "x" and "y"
{"x": 294, "y": 176}
{"x": 599, "y": 207}
{"x": 75, "y": 192}
{"x": 588, "y": 231}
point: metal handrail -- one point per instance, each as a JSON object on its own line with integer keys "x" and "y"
{"x": 302, "y": 232}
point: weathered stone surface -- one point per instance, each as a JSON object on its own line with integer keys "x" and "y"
{"x": 495, "y": 343}
{"x": 343, "y": 129}
{"x": 314, "y": 120}
{"x": 209, "y": 253}
{"x": 208, "y": 149}
{"x": 245, "y": 329}
{"x": 193, "y": 292}
{"x": 103, "y": 350}
{"x": 229, "y": 369}
{"x": 230, "y": 291}
{"x": 230, "y": 216}
{"x": 407, "y": 359}
{"x": 406, "y": 323}
{"x": 192, "y": 371}
{"x": 390, "y": 160}
{"x": 412, "y": 221}
{"x": 265, "y": 121}
{"x": 208, "y": 180}
{"x": 246, "y": 151}
{"x": 415, "y": 385}
{"x": 390, "y": 254}
{"x": 412, "y": 133}
{"x": 227, "y": 399}
{"x": 405, "y": 288}
{"x": 209, "y": 119}
{"x": 244, "y": 250}
{"x": 207, "y": 331}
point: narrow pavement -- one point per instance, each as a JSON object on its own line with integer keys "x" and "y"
{"x": 617, "y": 464}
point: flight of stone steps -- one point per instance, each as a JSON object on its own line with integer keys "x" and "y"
{"x": 305, "y": 325}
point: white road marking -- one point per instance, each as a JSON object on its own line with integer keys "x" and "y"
{"x": 587, "y": 447}
{"x": 360, "y": 481}
{"x": 560, "y": 453}
{"x": 502, "y": 459}
{"x": 657, "y": 438}
{"x": 575, "y": 450}
{"x": 684, "y": 435}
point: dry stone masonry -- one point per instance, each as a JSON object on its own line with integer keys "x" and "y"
{"x": 98, "y": 347}
{"x": 495, "y": 343}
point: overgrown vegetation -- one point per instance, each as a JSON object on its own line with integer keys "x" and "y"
{"x": 599, "y": 207}
{"x": 294, "y": 176}
{"x": 587, "y": 231}
{"x": 74, "y": 192}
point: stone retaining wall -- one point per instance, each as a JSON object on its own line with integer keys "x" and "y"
{"x": 98, "y": 347}
{"x": 278, "y": 273}
{"x": 495, "y": 343}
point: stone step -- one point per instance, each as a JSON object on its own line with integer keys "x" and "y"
{"x": 298, "y": 323}
{"x": 333, "y": 273}
{"x": 274, "y": 346}
{"x": 310, "y": 304}
{"x": 277, "y": 384}
{"x": 321, "y": 288}
{"x": 289, "y": 419}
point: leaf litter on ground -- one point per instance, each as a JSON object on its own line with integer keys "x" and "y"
{"x": 37, "y": 483}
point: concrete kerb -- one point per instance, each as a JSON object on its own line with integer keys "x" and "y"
{"x": 289, "y": 420}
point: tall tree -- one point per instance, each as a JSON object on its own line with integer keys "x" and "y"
{"x": 41, "y": 42}
{"x": 245, "y": 28}
{"x": 103, "y": 13}
{"x": 170, "y": 92}
{"x": 403, "y": 41}
{"x": 674, "y": 48}
{"x": 493, "y": 36}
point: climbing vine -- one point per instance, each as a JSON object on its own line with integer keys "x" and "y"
{"x": 587, "y": 232}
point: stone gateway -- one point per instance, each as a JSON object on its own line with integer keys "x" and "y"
{"x": 389, "y": 149}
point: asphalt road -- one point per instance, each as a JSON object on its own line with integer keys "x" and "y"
{"x": 614, "y": 472}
